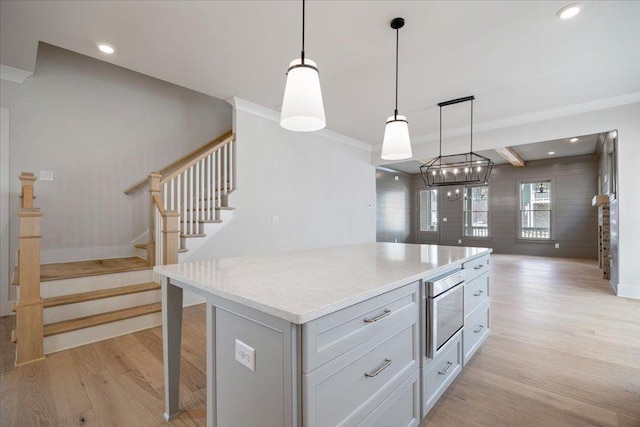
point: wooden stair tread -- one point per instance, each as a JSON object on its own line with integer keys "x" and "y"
{"x": 188, "y": 236}
{"x": 182, "y": 250}
{"x": 100, "y": 294}
{"x": 141, "y": 246}
{"x": 100, "y": 319}
{"x": 206, "y": 221}
{"x": 68, "y": 270}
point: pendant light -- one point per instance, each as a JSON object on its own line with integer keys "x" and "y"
{"x": 302, "y": 106}
{"x": 457, "y": 169}
{"x": 396, "y": 144}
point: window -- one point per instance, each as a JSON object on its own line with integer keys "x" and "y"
{"x": 428, "y": 210}
{"x": 476, "y": 211}
{"x": 535, "y": 210}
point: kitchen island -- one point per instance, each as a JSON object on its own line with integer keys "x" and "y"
{"x": 326, "y": 337}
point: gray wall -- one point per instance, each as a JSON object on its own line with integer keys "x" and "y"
{"x": 396, "y": 219}
{"x": 99, "y": 128}
{"x": 575, "y": 223}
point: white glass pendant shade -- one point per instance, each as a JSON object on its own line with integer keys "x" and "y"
{"x": 396, "y": 144}
{"x": 302, "y": 106}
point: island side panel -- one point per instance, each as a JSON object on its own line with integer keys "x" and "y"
{"x": 268, "y": 396}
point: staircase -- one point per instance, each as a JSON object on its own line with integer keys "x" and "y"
{"x": 69, "y": 304}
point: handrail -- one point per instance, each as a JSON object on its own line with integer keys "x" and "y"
{"x": 178, "y": 163}
{"x": 158, "y": 201}
{"x": 195, "y": 160}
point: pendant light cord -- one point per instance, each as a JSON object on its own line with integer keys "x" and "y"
{"x": 471, "y": 144}
{"x": 395, "y": 113}
{"x": 302, "y": 54}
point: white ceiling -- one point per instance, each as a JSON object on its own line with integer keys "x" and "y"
{"x": 516, "y": 57}
{"x": 586, "y": 144}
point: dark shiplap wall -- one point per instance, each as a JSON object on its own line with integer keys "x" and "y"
{"x": 576, "y": 182}
{"x": 395, "y": 207}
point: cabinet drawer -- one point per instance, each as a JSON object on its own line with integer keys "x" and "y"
{"x": 476, "y": 267}
{"x": 475, "y": 293}
{"x": 476, "y": 331}
{"x": 401, "y": 408}
{"x": 337, "y": 393}
{"x": 330, "y": 336}
{"x": 441, "y": 372}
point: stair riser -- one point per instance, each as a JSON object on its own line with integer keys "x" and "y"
{"x": 142, "y": 253}
{"x": 56, "y": 288}
{"x": 90, "y": 308}
{"x": 93, "y": 334}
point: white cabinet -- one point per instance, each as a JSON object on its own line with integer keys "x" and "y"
{"x": 356, "y": 361}
{"x": 477, "y": 307}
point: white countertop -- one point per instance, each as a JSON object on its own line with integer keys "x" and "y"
{"x": 305, "y": 285}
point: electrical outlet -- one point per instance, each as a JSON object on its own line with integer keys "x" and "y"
{"x": 459, "y": 241}
{"x": 246, "y": 356}
{"x": 444, "y": 219}
{"x": 46, "y": 176}
{"x": 395, "y": 240}
{"x": 275, "y": 220}
{"x": 396, "y": 177}
{"x": 557, "y": 245}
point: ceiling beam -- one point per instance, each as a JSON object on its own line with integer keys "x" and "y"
{"x": 511, "y": 156}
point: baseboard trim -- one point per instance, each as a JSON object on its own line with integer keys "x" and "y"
{"x": 627, "y": 290}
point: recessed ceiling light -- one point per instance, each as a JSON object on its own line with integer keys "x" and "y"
{"x": 568, "y": 11}
{"x": 551, "y": 153}
{"x": 106, "y": 48}
{"x": 574, "y": 140}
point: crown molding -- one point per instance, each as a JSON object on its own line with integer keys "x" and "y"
{"x": 554, "y": 113}
{"x": 14, "y": 74}
{"x": 273, "y": 115}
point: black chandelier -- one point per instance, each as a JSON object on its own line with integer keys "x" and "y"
{"x": 457, "y": 169}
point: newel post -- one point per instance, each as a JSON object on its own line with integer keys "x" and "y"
{"x": 154, "y": 188}
{"x": 26, "y": 196}
{"x": 29, "y": 309}
{"x": 171, "y": 238}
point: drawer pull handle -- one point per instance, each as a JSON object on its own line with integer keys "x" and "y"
{"x": 385, "y": 365}
{"x": 385, "y": 313}
{"x": 477, "y": 294}
{"x": 480, "y": 327}
{"x": 478, "y": 267}
{"x": 449, "y": 365}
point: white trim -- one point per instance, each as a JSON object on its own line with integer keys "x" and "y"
{"x": 14, "y": 74}
{"x": 273, "y": 115}
{"x": 569, "y": 110}
{"x": 5, "y": 303}
{"x": 628, "y": 290}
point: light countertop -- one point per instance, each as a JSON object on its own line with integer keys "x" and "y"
{"x": 305, "y": 285}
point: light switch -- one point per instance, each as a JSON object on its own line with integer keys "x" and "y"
{"x": 444, "y": 219}
{"x": 46, "y": 176}
{"x": 557, "y": 245}
{"x": 460, "y": 241}
{"x": 246, "y": 356}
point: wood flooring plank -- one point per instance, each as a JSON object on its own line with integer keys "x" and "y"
{"x": 86, "y": 419}
{"x": 27, "y": 398}
{"x": 112, "y": 406}
{"x": 70, "y": 397}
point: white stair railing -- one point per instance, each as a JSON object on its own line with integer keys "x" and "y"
{"x": 201, "y": 186}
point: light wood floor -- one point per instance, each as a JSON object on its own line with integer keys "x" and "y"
{"x": 563, "y": 352}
